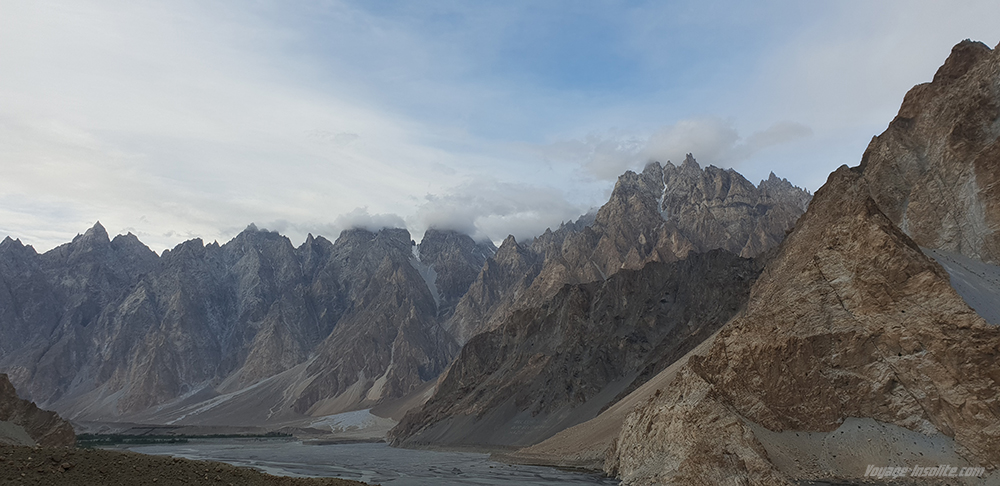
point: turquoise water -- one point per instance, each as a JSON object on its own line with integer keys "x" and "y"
{"x": 372, "y": 463}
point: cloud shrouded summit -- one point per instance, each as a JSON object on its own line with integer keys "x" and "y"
{"x": 713, "y": 139}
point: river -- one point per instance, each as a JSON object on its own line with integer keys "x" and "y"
{"x": 374, "y": 463}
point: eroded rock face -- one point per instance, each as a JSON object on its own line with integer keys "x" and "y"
{"x": 664, "y": 213}
{"x": 551, "y": 367}
{"x": 103, "y": 329}
{"x": 497, "y": 288}
{"x": 457, "y": 260}
{"x": 935, "y": 172}
{"x": 851, "y": 319}
{"x": 390, "y": 341}
{"x": 44, "y": 428}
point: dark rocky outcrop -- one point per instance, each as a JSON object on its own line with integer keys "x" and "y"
{"x": 23, "y": 423}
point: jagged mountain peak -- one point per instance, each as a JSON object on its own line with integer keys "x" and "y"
{"x": 660, "y": 214}
{"x": 98, "y": 229}
{"x": 435, "y": 240}
{"x": 964, "y": 56}
{"x": 130, "y": 242}
{"x": 315, "y": 242}
{"x": 689, "y": 163}
{"x": 510, "y": 243}
{"x": 96, "y": 235}
{"x": 253, "y": 235}
{"x": 192, "y": 247}
{"x": 512, "y": 253}
{"x": 707, "y": 208}
{"x": 12, "y": 245}
{"x": 450, "y": 261}
{"x": 361, "y": 234}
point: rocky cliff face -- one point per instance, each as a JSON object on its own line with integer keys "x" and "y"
{"x": 493, "y": 294}
{"x": 658, "y": 215}
{"x": 104, "y": 329}
{"x": 851, "y": 320}
{"x": 456, "y": 261}
{"x": 664, "y": 213}
{"x": 551, "y": 367}
{"x": 53, "y": 302}
{"x": 393, "y": 310}
{"x": 934, "y": 171}
{"x": 22, "y": 423}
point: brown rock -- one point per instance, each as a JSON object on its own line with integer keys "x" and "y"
{"x": 935, "y": 172}
{"x": 45, "y": 428}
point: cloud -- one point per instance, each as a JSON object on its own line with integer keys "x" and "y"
{"x": 716, "y": 141}
{"x": 360, "y": 218}
{"x": 490, "y": 209}
{"x": 193, "y": 118}
{"x": 340, "y": 139}
{"x": 712, "y": 140}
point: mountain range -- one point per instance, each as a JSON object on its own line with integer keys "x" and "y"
{"x": 259, "y": 332}
{"x": 695, "y": 329}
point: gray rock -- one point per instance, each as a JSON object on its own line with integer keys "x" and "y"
{"x": 553, "y": 366}
{"x": 104, "y": 329}
{"x": 659, "y": 215}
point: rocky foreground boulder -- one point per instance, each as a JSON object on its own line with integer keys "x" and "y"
{"x": 852, "y": 331}
{"x": 23, "y": 423}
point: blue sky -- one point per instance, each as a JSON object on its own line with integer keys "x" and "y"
{"x": 178, "y": 119}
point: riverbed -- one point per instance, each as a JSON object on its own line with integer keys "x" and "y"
{"x": 374, "y": 463}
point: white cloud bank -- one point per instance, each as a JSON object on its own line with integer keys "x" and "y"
{"x": 490, "y": 209}
{"x": 180, "y": 119}
{"x": 360, "y": 218}
{"x": 712, "y": 141}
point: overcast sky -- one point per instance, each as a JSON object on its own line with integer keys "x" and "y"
{"x": 174, "y": 120}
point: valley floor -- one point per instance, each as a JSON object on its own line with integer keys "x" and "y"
{"x": 90, "y": 467}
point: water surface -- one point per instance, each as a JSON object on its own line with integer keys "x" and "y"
{"x": 371, "y": 463}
